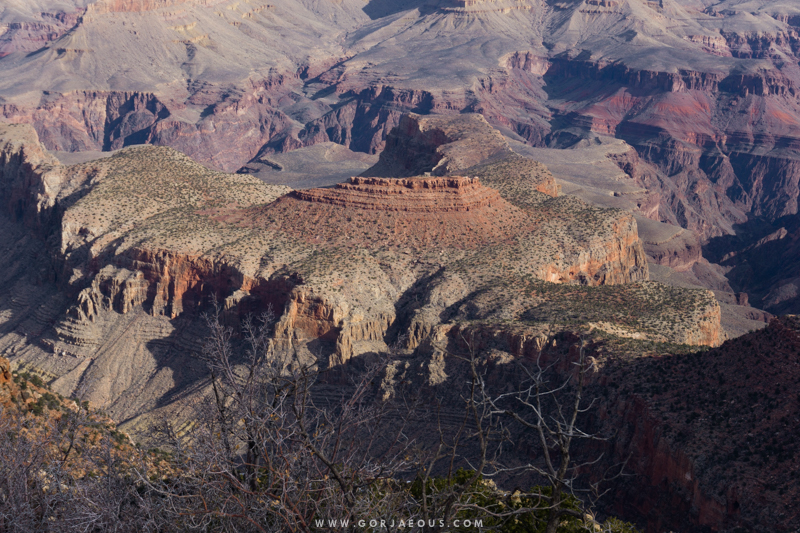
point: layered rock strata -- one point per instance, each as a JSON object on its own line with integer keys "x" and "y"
{"x": 716, "y": 114}
{"x": 414, "y": 213}
{"x": 417, "y": 195}
{"x": 439, "y": 145}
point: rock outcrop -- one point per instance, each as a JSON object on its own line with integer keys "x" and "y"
{"x": 465, "y": 144}
{"x": 439, "y": 145}
{"x": 414, "y": 213}
{"x": 7, "y": 388}
{"x": 31, "y": 35}
{"x": 451, "y": 194}
{"x": 679, "y": 251}
{"x": 31, "y": 178}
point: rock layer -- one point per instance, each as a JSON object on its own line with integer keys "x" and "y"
{"x": 439, "y": 145}
{"x": 415, "y": 195}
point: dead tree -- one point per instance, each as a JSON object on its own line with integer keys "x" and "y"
{"x": 266, "y": 456}
{"x": 547, "y": 401}
{"x": 63, "y": 470}
{"x": 549, "y": 405}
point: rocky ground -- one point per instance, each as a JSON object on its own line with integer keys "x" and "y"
{"x": 705, "y": 437}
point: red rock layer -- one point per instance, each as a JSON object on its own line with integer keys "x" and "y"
{"x": 420, "y": 195}
{"x": 130, "y": 6}
{"x": 169, "y": 283}
{"x": 452, "y": 212}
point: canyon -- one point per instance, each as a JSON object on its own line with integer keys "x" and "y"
{"x": 127, "y": 270}
{"x": 707, "y": 105}
{"x": 406, "y": 173}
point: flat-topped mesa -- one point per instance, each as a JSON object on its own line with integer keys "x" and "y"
{"x": 479, "y": 6}
{"x": 470, "y": 3}
{"x": 415, "y": 195}
{"x": 415, "y": 213}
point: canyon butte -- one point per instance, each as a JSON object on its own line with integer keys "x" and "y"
{"x": 404, "y": 174}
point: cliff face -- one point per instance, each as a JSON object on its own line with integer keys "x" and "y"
{"x": 710, "y": 176}
{"x": 31, "y": 178}
{"x": 681, "y": 471}
{"x": 667, "y": 474}
{"x": 617, "y": 258}
{"x": 709, "y": 437}
{"x": 759, "y": 262}
{"x": 700, "y": 452}
{"x": 29, "y": 36}
{"x": 167, "y": 283}
{"x": 425, "y": 195}
{"x": 441, "y": 145}
{"x": 224, "y": 138}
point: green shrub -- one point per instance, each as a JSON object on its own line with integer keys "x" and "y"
{"x": 532, "y": 511}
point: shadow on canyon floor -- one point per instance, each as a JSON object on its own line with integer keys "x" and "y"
{"x": 377, "y": 9}
{"x": 761, "y": 259}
